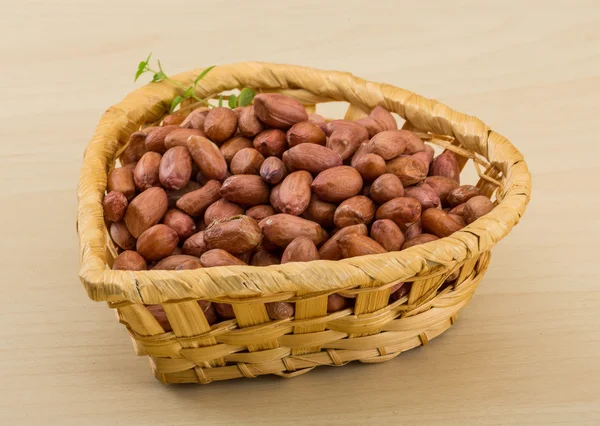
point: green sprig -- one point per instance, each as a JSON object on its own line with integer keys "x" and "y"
{"x": 244, "y": 99}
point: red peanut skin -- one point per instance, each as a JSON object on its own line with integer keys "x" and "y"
{"x": 476, "y": 207}
{"x": 320, "y": 211}
{"x": 385, "y": 119}
{"x": 421, "y": 239}
{"x": 279, "y": 310}
{"x": 402, "y": 210}
{"x": 425, "y": 194}
{"x": 446, "y": 164}
{"x": 180, "y": 222}
{"x": 175, "y": 169}
{"x": 438, "y": 223}
{"x": 114, "y": 205}
{"x": 146, "y": 171}
{"x": 353, "y": 211}
{"x": 301, "y": 249}
{"x": 385, "y": 188}
{"x": 462, "y": 194}
{"x": 442, "y": 185}
{"x": 330, "y": 250}
{"x": 388, "y": 234}
{"x": 294, "y": 193}
{"x": 336, "y": 303}
{"x": 271, "y": 143}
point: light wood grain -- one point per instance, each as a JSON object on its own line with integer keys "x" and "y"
{"x": 526, "y": 349}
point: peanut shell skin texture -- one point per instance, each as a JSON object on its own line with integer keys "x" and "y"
{"x": 235, "y": 235}
{"x": 269, "y": 184}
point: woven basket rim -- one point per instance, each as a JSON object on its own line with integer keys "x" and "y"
{"x": 310, "y": 86}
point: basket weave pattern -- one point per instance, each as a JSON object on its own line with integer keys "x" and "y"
{"x": 252, "y": 344}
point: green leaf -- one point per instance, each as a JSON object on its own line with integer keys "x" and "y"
{"x": 246, "y": 96}
{"x": 148, "y": 58}
{"x": 232, "y": 102}
{"x": 141, "y": 70}
{"x": 176, "y": 101}
{"x": 189, "y": 92}
{"x": 220, "y": 100}
{"x": 159, "y": 76}
{"x": 202, "y": 74}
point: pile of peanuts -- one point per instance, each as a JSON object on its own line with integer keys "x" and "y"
{"x": 270, "y": 184}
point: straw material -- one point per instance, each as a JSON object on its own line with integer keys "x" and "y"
{"x": 252, "y": 345}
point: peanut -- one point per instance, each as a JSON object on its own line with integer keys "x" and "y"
{"x": 272, "y": 170}
{"x": 385, "y": 188}
{"x": 319, "y": 211}
{"x": 146, "y": 171}
{"x": 121, "y": 180}
{"x": 233, "y": 146}
{"x": 353, "y": 211}
{"x": 219, "y": 257}
{"x": 248, "y": 123}
{"x": 208, "y": 157}
{"x": 385, "y": 119}
{"x": 271, "y": 143}
{"x": 421, "y": 239}
{"x": 476, "y": 207}
{"x": 305, "y": 132}
{"x": 370, "y": 167}
{"x": 330, "y": 249}
{"x": 220, "y": 124}
{"x": 388, "y": 144}
{"x": 438, "y": 223}
{"x": 409, "y": 170}
{"x": 258, "y": 213}
{"x": 179, "y": 137}
{"x": 278, "y": 111}
{"x": 235, "y": 235}
{"x": 281, "y": 229}
{"x": 462, "y": 194}
{"x": 372, "y": 126}
{"x": 114, "y": 205}
{"x": 195, "y": 119}
{"x": 195, "y": 245}
{"x": 403, "y": 211}
{"x": 311, "y": 157}
{"x": 442, "y": 185}
{"x": 121, "y": 236}
{"x": 246, "y": 190}
{"x": 175, "y": 168}
{"x": 196, "y": 202}
{"x": 265, "y": 258}
{"x": 294, "y": 193}
{"x": 358, "y": 245}
{"x": 157, "y": 242}
{"x": 446, "y": 164}
{"x": 337, "y": 184}
{"x": 247, "y": 161}
{"x": 129, "y": 261}
{"x": 221, "y": 210}
{"x": 155, "y": 139}
{"x": 388, "y": 234}
{"x": 301, "y": 249}
{"x": 425, "y": 194}
{"x": 146, "y": 210}
{"x": 180, "y": 222}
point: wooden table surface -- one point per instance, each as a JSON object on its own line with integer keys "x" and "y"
{"x": 526, "y": 349}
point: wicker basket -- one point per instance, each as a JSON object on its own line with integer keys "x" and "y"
{"x": 252, "y": 345}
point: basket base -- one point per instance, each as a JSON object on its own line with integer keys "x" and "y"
{"x": 398, "y": 327}
{"x": 303, "y": 363}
